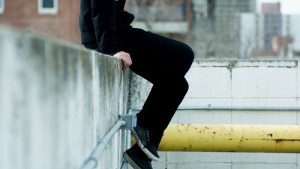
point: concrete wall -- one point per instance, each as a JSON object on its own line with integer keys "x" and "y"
{"x": 56, "y": 102}
{"x": 234, "y": 83}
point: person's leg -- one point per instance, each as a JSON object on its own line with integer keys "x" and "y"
{"x": 155, "y": 57}
{"x": 166, "y": 98}
{"x": 163, "y": 62}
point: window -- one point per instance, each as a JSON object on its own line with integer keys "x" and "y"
{"x": 1, "y": 6}
{"x": 48, "y": 6}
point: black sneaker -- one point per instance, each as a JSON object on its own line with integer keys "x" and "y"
{"x": 137, "y": 162}
{"x": 142, "y": 137}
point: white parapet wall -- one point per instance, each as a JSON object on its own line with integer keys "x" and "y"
{"x": 56, "y": 102}
{"x": 234, "y": 83}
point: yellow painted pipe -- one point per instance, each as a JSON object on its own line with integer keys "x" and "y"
{"x": 231, "y": 138}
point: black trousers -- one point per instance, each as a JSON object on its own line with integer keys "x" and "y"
{"x": 162, "y": 61}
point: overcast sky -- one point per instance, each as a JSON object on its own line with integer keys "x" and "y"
{"x": 287, "y": 6}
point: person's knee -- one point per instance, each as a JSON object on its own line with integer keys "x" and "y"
{"x": 185, "y": 59}
{"x": 188, "y": 53}
{"x": 184, "y": 86}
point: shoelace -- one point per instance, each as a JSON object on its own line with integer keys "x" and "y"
{"x": 148, "y": 136}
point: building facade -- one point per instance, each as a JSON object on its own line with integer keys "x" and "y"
{"x": 171, "y": 18}
{"x": 55, "y": 18}
{"x": 214, "y": 27}
{"x": 273, "y": 20}
{"x": 59, "y": 18}
{"x": 268, "y": 34}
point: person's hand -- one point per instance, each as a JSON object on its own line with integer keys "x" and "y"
{"x": 126, "y": 59}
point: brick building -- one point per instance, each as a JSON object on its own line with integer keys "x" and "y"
{"x": 59, "y": 18}
{"x": 55, "y": 18}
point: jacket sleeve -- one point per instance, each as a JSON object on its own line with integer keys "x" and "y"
{"x": 103, "y": 13}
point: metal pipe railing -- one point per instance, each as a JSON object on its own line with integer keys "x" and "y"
{"x": 127, "y": 146}
{"x": 92, "y": 161}
{"x": 233, "y": 108}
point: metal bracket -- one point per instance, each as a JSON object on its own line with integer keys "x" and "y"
{"x": 130, "y": 121}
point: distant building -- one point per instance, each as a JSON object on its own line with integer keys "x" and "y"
{"x": 272, "y": 27}
{"x": 59, "y": 18}
{"x": 268, "y": 34}
{"x": 171, "y": 18}
{"x": 215, "y": 29}
{"x": 225, "y": 24}
{"x": 271, "y": 8}
{"x": 56, "y": 18}
{"x": 272, "y": 19}
{"x": 290, "y": 29}
{"x": 255, "y": 40}
{"x": 250, "y": 35}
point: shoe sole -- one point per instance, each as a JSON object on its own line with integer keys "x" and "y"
{"x": 130, "y": 161}
{"x": 147, "y": 152}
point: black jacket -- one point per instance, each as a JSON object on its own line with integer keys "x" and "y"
{"x": 99, "y": 21}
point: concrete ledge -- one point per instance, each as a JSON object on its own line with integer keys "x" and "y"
{"x": 57, "y": 100}
{"x": 246, "y": 63}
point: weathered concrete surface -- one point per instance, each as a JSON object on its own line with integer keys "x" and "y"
{"x": 264, "y": 83}
{"x": 56, "y": 102}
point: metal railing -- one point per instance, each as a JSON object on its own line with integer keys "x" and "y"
{"x": 92, "y": 161}
{"x": 231, "y": 108}
{"x": 125, "y": 122}
{"x": 129, "y": 121}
